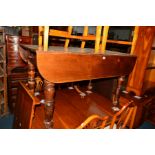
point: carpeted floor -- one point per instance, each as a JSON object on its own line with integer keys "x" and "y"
{"x": 147, "y": 125}
{"x": 6, "y": 122}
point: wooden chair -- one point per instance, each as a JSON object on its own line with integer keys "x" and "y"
{"x": 45, "y": 32}
{"x": 100, "y": 39}
{"x": 94, "y": 122}
{"x": 121, "y": 120}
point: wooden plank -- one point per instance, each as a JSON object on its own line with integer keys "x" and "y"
{"x": 64, "y": 34}
{"x": 71, "y": 110}
{"x": 85, "y": 33}
{"x": 104, "y": 38}
{"x": 134, "y": 41}
{"x": 60, "y": 67}
{"x": 119, "y": 42}
{"x": 142, "y": 51}
{"x": 40, "y": 38}
{"x": 98, "y": 38}
{"x": 70, "y": 28}
{"x": 46, "y": 31}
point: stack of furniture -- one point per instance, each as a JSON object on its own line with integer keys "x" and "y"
{"x": 54, "y": 70}
{"x": 3, "y": 75}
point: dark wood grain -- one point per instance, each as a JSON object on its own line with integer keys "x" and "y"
{"x": 61, "y": 67}
{"x": 71, "y": 110}
{"x": 16, "y": 69}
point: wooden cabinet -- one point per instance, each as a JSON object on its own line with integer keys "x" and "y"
{"x": 3, "y": 76}
{"x": 16, "y": 67}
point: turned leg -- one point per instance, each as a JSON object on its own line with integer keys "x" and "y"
{"x": 31, "y": 74}
{"x": 49, "y": 92}
{"x": 118, "y": 90}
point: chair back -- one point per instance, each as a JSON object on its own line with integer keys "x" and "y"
{"x": 125, "y": 117}
{"x": 94, "y": 122}
{"x": 121, "y": 120}
{"x": 46, "y": 32}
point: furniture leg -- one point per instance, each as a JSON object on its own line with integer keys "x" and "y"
{"x": 31, "y": 74}
{"x": 118, "y": 89}
{"x": 49, "y": 92}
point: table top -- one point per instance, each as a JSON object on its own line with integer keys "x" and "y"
{"x": 60, "y": 65}
{"x": 73, "y": 50}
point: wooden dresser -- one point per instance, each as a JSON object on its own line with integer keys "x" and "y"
{"x": 16, "y": 68}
